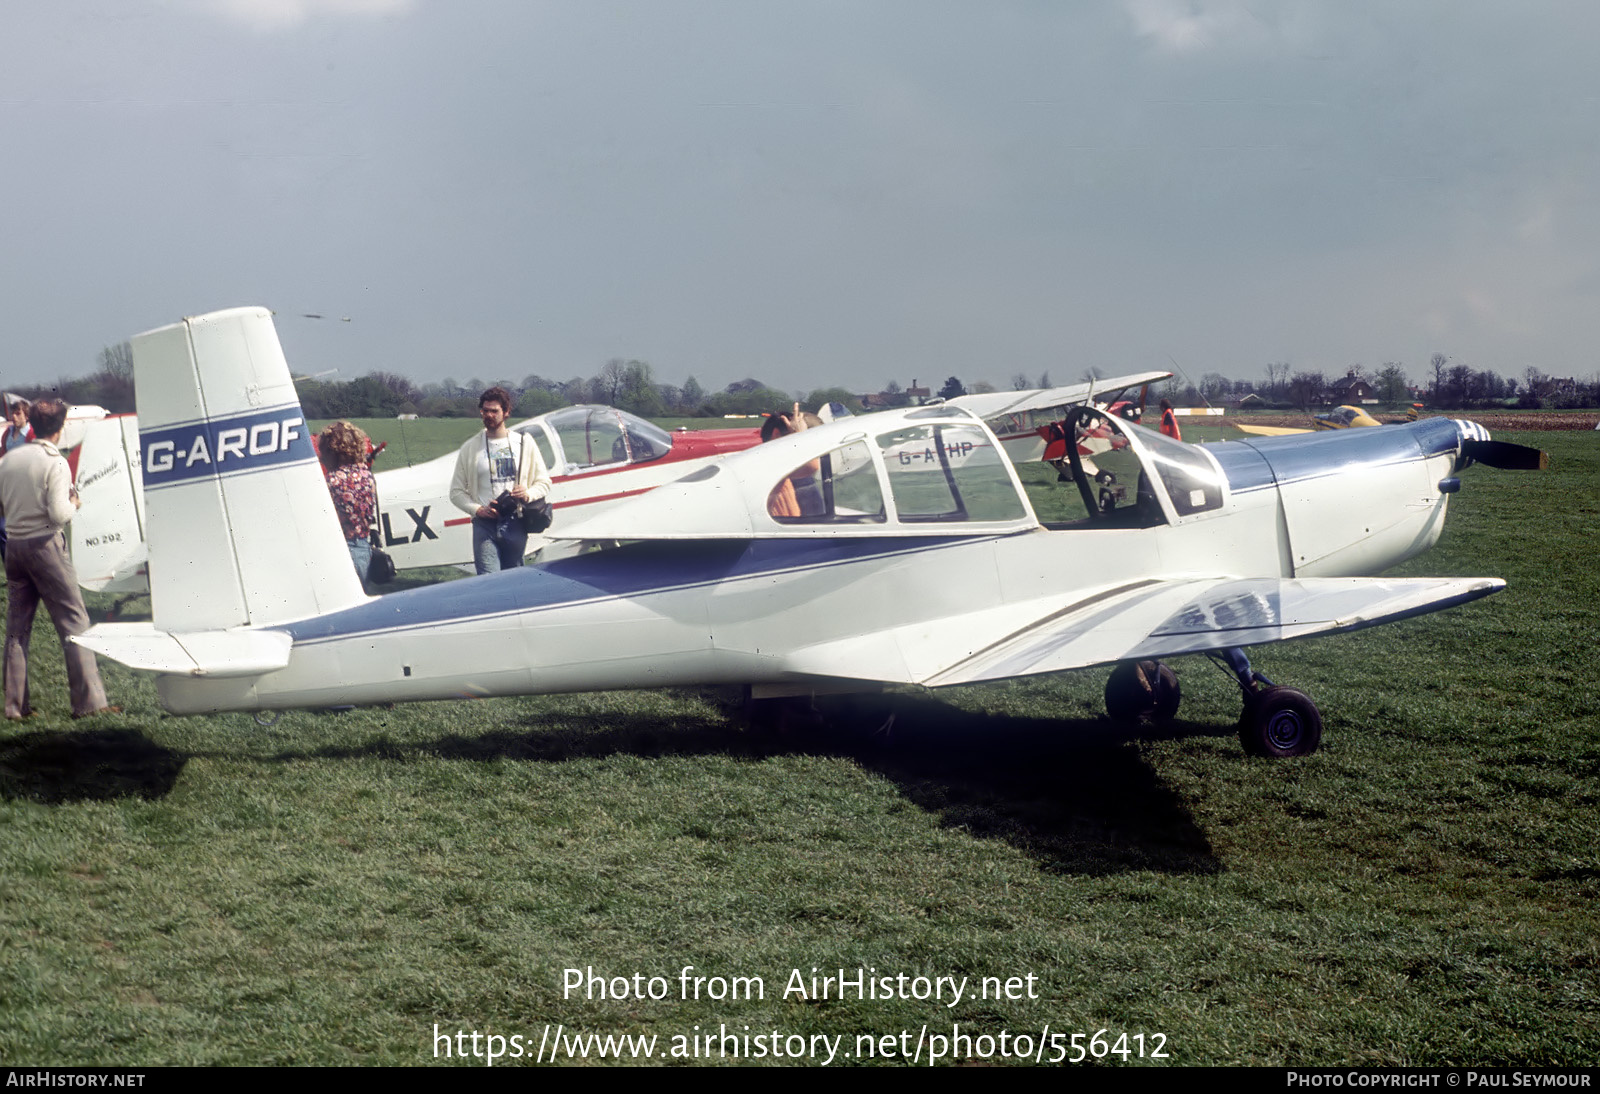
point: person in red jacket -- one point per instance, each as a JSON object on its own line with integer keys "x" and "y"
{"x": 1169, "y": 421}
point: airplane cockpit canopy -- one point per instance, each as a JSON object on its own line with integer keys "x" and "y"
{"x": 1130, "y": 476}
{"x": 933, "y": 472}
{"x": 1343, "y": 417}
{"x": 582, "y": 438}
{"x": 928, "y": 471}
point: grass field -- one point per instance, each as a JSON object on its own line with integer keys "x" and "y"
{"x": 1423, "y": 890}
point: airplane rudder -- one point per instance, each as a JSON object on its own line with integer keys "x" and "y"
{"x": 228, "y": 465}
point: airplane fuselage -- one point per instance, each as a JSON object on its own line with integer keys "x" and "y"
{"x": 719, "y": 611}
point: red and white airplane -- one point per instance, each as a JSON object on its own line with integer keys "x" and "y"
{"x": 597, "y": 455}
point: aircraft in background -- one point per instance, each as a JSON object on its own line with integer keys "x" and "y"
{"x": 79, "y": 418}
{"x": 1344, "y": 417}
{"x": 1023, "y": 421}
{"x": 597, "y": 456}
{"x": 931, "y": 571}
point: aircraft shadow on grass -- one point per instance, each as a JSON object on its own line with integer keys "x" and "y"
{"x": 1072, "y": 794}
{"x": 56, "y": 767}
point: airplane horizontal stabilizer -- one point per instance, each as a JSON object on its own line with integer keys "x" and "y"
{"x": 204, "y": 653}
{"x": 1168, "y": 618}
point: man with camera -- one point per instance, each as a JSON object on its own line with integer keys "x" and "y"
{"x": 498, "y": 479}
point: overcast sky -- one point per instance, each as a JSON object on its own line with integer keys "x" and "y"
{"x": 811, "y": 193}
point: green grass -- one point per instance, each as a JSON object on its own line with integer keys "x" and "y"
{"x": 415, "y": 441}
{"x": 1420, "y": 891}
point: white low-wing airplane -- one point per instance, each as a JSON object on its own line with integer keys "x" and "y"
{"x": 598, "y": 456}
{"x": 930, "y": 571}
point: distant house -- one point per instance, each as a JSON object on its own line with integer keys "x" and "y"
{"x": 1351, "y": 389}
{"x": 895, "y": 396}
{"x": 1252, "y": 401}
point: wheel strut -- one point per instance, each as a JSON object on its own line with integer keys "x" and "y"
{"x": 1234, "y": 660}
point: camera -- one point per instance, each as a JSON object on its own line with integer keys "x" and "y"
{"x": 508, "y": 505}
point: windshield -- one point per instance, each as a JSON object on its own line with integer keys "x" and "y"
{"x": 1115, "y": 465}
{"x": 592, "y": 436}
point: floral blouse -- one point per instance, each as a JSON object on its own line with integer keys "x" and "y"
{"x": 354, "y": 498}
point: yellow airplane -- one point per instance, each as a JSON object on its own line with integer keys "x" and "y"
{"x": 1344, "y": 417}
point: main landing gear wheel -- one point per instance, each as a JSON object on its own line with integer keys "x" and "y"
{"x": 779, "y": 716}
{"x": 1276, "y": 721}
{"x": 1280, "y": 721}
{"x": 1142, "y": 691}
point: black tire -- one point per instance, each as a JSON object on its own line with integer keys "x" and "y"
{"x": 780, "y": 717}
{"x": 1142, "y": 691}
{"x": 1280, "y": 722}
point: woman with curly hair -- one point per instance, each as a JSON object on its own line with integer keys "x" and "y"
{"x": 343, "y": 449}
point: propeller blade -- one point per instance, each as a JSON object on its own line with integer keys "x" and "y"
{"x": 1505, "y": 455}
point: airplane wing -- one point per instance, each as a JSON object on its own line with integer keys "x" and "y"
{"x": 79, "y": 418}
{"x": 1267, "y": 430}
{"x": 1147, "y": 619}
{"x": 996, "y": 403}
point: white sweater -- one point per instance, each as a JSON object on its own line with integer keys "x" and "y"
{"x": 470, "y": 485}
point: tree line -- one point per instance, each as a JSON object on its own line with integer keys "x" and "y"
{"x": 110, "y": 385}
{"x": 628, "y": 385}
{"x": 1447, "y": 385}
{"x": 631, "y": 385}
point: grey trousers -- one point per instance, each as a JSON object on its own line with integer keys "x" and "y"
{"x": 39, "y": 569}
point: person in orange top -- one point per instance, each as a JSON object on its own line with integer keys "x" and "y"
{"x": 783, "y": 502}
{"x": 1169, "y": 421}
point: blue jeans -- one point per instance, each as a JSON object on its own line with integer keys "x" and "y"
{"x": 497, "y": 544}
{"x": 361, "y": 555}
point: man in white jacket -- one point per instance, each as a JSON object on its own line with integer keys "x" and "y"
{"x": 495, "y": 470}
{"x": 37, "y": 499}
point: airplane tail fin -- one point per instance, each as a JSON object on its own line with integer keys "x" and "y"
{"x": 108, "y": 549}
{"x": 240, "y": 525}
